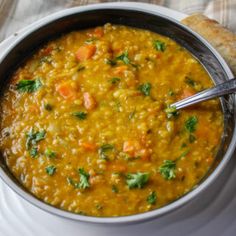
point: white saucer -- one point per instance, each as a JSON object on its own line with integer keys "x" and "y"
{"x": 213, "y": 212}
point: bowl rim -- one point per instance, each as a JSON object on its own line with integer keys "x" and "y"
{"x": 136, "y": 217}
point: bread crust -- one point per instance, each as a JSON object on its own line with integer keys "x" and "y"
{"x": 222, "y": 39}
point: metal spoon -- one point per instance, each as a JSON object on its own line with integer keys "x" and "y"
{"x": 219, "y": 90}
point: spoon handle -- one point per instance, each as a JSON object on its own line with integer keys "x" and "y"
{"x": 219, "y": 90}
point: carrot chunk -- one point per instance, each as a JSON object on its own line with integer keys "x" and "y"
{"x": 187, "y": 93}
{"x": 88, "y": 146}
{"x": 85, "y": 52}
{"x": 98, "y": 32}
{"x": 66, "y": 90}
{"x": 89, "y": 101}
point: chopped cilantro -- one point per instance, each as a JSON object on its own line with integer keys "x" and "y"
{"x": 171, "y": 93}
{"x": 114, "y": 189}
{"x": 46, "y": 59}
{"x": 50, "y": 170}
{"x": 137, "y": 180}
{"x": 49, "y": 153}
{"x": 80, "y": 115}
{"x": 34, "y": 137}
{"x": 159, "y": 46}
{"x": 33, "y": 152}
{"x": 115, "y": 80}
{"x": 192, "y": 138}
{"x": 191, "y": 123}
{"x": 110, "y": 62}
{"x": 124, "y": 57}
{"x": 104, "y": 149}
{"x": 189, "y": 81}
{"x": 152, "y": 198}
{"x": 167, "y": 169}
{"x": 28, "y": 86}
{"x": 171, "y": 112}
{"x": 145, "y": 88}
{"x": 84, "y": 178}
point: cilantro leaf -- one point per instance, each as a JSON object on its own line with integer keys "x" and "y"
{"x": 124, "y": 57}
{"x": 171, "y": 112}
{"x": 50, "y": 170}
{"x": 115, "y": 80}
{"x": 152, "y": 198}
{"x": 34, "y": 152}
{"x": 189, "y": 81}
{"x": 110, "y": 62}
{"x": 83, "y": 182}
{"x": 102, "y": 151}
{"x": 145, "y": 88}
{"x": 34, "y": 137}
{"x": 159, "y": 45}
{"x": 84, "y": 177}
{"x": 28, "y": 86}
{"x": 167, "y": 169}
{"x": 49, "y": 153}
{"x": 80, "y": 115}
{"x": 137, "y": 180}
{"x": 191, "y": 123}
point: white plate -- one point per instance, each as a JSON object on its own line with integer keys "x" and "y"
{"x": 213, "y": 212}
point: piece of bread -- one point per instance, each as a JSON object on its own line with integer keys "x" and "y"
{"x": 222, "y": 39}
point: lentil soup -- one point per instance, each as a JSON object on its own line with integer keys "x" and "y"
{"x": 86, "y": 124}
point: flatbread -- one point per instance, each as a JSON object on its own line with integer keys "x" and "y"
{"x": 222, "y": 39}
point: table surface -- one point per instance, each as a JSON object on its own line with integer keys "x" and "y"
{"x": 211, "y": 213}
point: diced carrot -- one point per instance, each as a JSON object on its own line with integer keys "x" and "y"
{"x": 85, "y": 52}
{"x": 66, "y": 90}
{"x": 187, "y": 92}
{"x": 120, "y": 69}
{"x": 134, "y": 149}
{"x": 118, "y": 167}
{"x": 88, "y": 146}
{"x": 98, "y": 32}
{"x": 47, "y": 51}
{"x": 89, "y": 101}
{"x": 34, "y": 109}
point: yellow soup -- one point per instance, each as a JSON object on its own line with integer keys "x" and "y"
{"x": 86, "y": 124}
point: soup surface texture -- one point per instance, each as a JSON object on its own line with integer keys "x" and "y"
{"x": 86, "y": 124}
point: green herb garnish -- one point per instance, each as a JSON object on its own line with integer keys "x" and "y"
{"x": 28, "y": 86}
{"x": 191, "y": 138}
{"x": 124, "y": 57}
{"x": 104, "y": 149}
{"x": 49, "y": 153}
{"x": 159, "y": 46}
{"x": 33, "y": 152}
{"x": 189, "y": 81}
{"x": 168, "y": 168}
{"x": 145, "y": 89}
{"x": 84, "y": 178}
{"x": 137, "y": 180}
{"x": 110, "y": 62}
{"x": 191, "y": 123}
{"x": 115, "y": 80}
{"x": 50, "y": 170}
{"x": 34, "y": 137}
{"x": 171, "y": 112}
{"x": 80, "y": 115}
{"x": 152, "y": 198}
{"x": 114, "y": 189}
